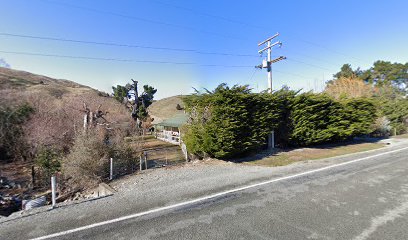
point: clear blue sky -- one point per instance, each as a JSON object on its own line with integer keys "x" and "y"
{"x": 318, "y": 37}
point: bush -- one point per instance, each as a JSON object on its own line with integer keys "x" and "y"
{"x": 49, "y": 160}
{"x": 317, "y": 119}
{"x": 87, "y": 164}
{"x": 229, "y": 122}
{"x": 382, "y": 126}
{"x": 12, "y": 137}
{"x": 88, "y": 161}
{"x": 396, "y": 111}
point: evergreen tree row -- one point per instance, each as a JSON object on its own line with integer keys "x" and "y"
{"x": 229, "y": 122}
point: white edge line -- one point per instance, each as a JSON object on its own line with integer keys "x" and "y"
{"x": 208, "y": 197}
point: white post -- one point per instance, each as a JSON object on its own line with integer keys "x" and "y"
{"x": 111, "y": 169}
{"x": 85, "y": 121}
{"x": 141, "y": 163}
{"x": 53, "y": 191}
{"x": 145, "y": 157}
{"x": 166, "y": 158}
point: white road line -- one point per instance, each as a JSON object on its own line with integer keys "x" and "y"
{"x": 209, "y": 197}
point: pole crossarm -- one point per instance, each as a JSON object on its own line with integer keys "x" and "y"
{"x": 269, "y": 47}
{"x": 267, "y": 63}
{"x": 269, "y": 39}
{"x": 278, "y": 59}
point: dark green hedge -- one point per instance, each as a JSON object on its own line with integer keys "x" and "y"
{"x": 318, "y": 119}
{"x": 231, "y": 121}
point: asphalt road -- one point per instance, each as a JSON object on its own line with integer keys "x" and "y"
{"x": 365, "y": 199}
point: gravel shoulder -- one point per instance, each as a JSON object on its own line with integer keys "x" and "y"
{"x": 161, "y": 187}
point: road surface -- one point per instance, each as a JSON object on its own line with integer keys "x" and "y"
{"x": 362, "y": 197}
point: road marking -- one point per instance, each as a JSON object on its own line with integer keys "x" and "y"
{"x": 94, "y": 225}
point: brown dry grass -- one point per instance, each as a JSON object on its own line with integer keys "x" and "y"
{"x": 298, "y": 155}
{"x": 165, "y": 108}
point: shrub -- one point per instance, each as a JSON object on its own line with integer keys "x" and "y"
{"x": 87, "y": 163}
{"x": 317, "y": 119}
{"x": 12, "y": 136}
{"x": 233, "y": 121}
{"x": 396, "y": 111}
{"x": 382, "y": 126}
{"x": 49, "y": 160}
{"x": 230, "y": 121}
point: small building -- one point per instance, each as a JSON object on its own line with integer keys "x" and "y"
{"x": 169, "y": 129}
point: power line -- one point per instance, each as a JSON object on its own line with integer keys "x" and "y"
{"x": 292, "y": 74}
{"x": 140, "y": 19}
{"x": 255, "y": 26}
{"x": 144, "y": 47}
{"x": 190, "y": 28}
{"x": 208, "y": 15}
{"x": 121, "y": 60}
{"x": 312, "y": 65}
{"x": 311, "y": 57}
{"x": 142, "y": 61}
{"x": 123, "y": 45}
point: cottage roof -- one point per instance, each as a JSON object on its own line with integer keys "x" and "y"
{"x": 176, "y": 121}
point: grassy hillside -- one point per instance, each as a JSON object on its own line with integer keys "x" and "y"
{"x": 58, "y": 106}
{"x": 165, "y": 108}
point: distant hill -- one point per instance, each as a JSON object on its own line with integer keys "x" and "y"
{"x": 165, "y": 108}
{"x": 58, "y": 105}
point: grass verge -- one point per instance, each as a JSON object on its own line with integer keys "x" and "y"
{"x": 302, "y": 154}
{"x": 404, "y": 136}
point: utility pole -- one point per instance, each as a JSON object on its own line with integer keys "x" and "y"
{"x": 267, "y": 63}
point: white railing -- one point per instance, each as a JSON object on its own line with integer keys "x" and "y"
{"x": 169, "y": 136}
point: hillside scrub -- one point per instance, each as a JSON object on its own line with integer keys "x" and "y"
{"x": 12, "y": 134}
{"x": 87, "y": 163}
{"x": 229, "y": 122}
{"x": 57, "y": 109}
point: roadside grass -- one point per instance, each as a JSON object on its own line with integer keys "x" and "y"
{"x": 404, "y": 136}
{"x": 303, "y": 154}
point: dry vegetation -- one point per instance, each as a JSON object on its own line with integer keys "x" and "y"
{"x": 57, "y": 125}
{"x": 165, "y": 108}
{"x": 58, "y": 106}
{"x": 352, "y": 87}
{"x": 303, "y": 154}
